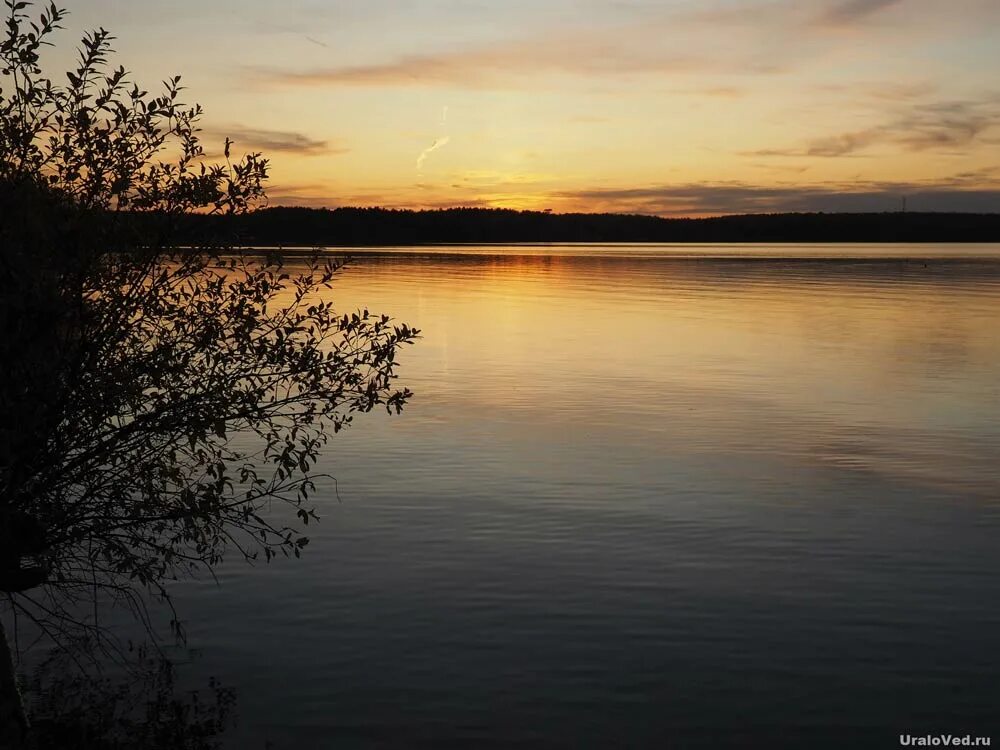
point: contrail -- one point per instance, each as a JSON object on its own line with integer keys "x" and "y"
{"x": 439, "y": 143}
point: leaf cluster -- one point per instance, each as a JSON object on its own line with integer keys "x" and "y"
{"x": 162, "y": 392}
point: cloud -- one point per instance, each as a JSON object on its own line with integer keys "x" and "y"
{"x": 881, "y": 91}
{"x": 935, "y": 126}
{"x": 955, "y": 194}
{"x": 274, "y": 140}
{"x": 853, "y": 11}
{"x": 843, "y": 144}
{"x": 748, "y": 37}
{"x": 715, "y": 92}
{"x": 496, "y": 67}
{"x": 784, "y": 15}
{"x": 626, "y": 50}
{"x": 975, "y": 177}
{"x": 438, "y": 143}
{"x": 946, "y": 124}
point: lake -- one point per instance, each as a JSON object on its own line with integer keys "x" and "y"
{"x": 647, "y": 496}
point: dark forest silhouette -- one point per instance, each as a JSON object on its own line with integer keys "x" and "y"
{"x": 381, "y": 226}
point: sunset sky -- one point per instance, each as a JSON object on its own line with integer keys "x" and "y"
{"x": 673, "y": 107}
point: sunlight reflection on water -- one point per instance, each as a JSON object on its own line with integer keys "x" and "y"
{"x": 642, "y": 499}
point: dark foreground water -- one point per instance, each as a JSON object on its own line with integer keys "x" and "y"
{"x": 646, "y": 500}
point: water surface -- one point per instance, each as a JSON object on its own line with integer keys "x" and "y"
{"x": 646, "y": 496}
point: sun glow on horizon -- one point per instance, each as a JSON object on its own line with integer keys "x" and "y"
{"x": 669, "y": 108}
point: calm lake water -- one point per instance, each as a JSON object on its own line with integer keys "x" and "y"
{"x": 648, "y": 497}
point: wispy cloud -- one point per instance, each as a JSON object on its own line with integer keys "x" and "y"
{"x": 853, "y": 11}
{"x": 512, "y": 66}
{"x": 843, "y": 144}
{"x": 285, "y": 141}
{"x": 934, "y": 126}
{"x": 881, "y": 91}
{"x": 315, "y": 41}
{"x": 811, "y": 16}
{"x": 737, "y": 39}
{"x": 526, "y": 62}
{"x": 946, "y": 124}
{"x": 438, "y": 143}
{"x": 715, "y": 92}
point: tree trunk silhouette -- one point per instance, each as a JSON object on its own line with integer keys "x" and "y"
{"x": 13, "y": 722}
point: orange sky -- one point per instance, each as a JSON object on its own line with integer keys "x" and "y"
{"x": 687, "y": 107}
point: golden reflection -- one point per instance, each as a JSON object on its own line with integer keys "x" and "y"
{"x": 839, "y": 364}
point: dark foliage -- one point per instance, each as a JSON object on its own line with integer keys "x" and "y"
{"x": 72, "y": 711}
{"x": 136, "y": 344}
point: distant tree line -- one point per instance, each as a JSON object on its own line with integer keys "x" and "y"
{"x": 381, "y": 226}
